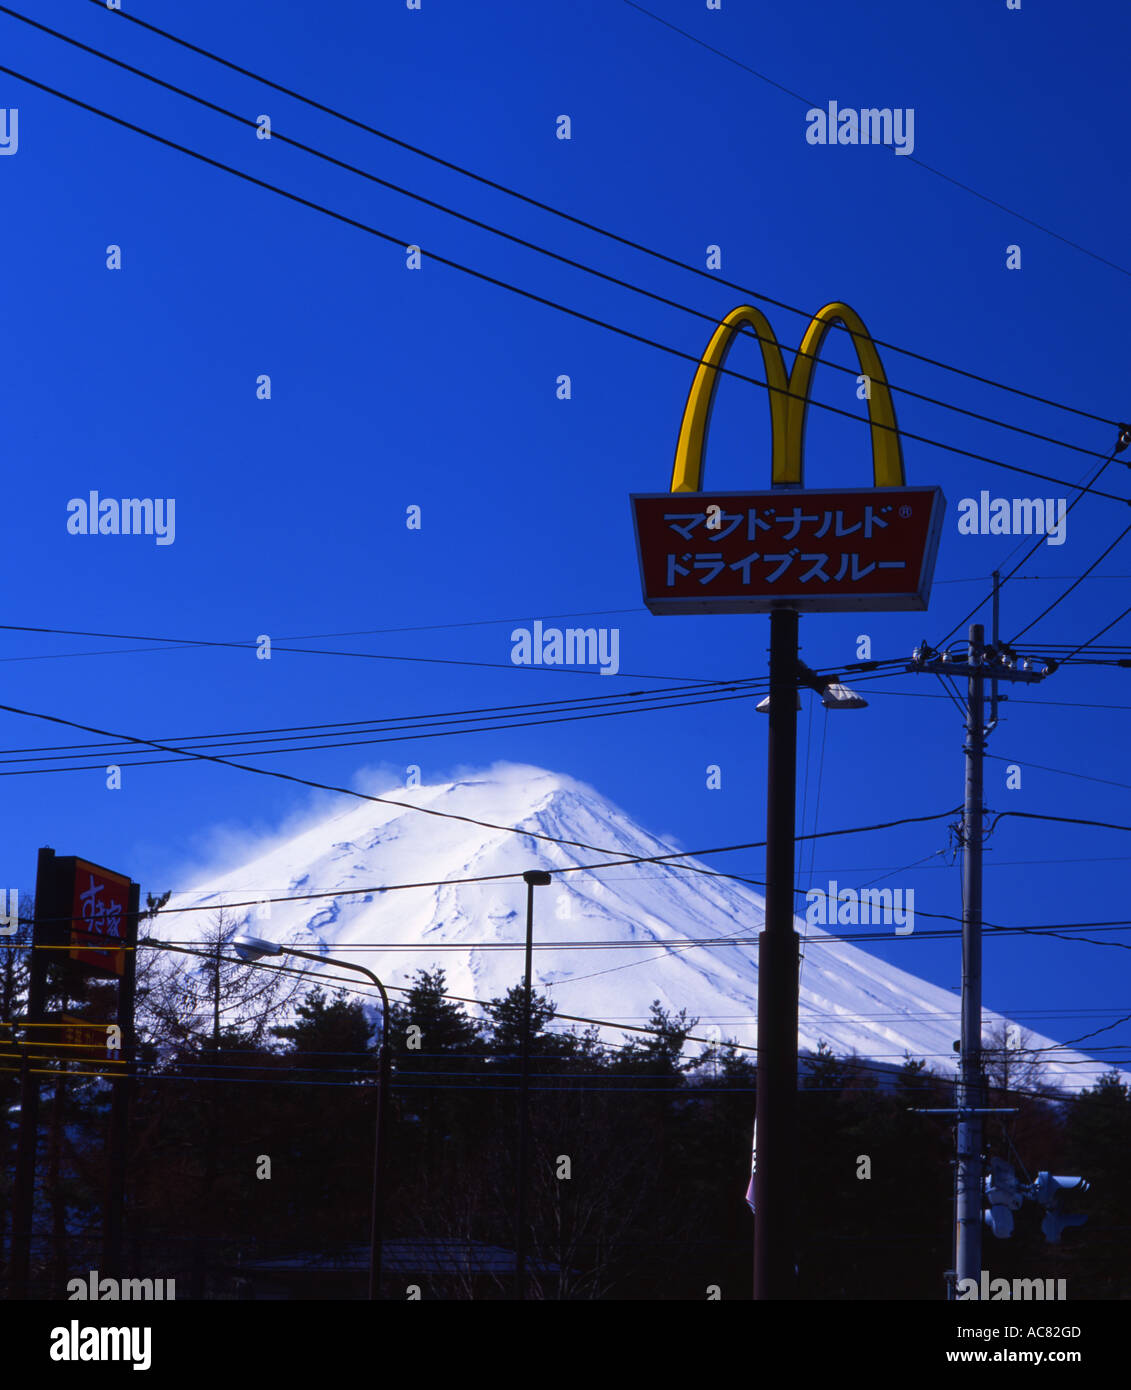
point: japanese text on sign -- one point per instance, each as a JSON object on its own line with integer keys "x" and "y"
{"x": 713, "y": 552}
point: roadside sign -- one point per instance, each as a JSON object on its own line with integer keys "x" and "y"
{"x": 99, "y": 911}
{"x": 817, "y": 551}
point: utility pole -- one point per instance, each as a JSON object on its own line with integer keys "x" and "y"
{"x": 968, "y": 1191}
{"x": 778, "y": 949}
{"x": 534, "y": 878}
{"x": 994, "y": 663}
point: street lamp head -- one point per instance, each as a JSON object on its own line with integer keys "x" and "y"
{"x": 537, "y": 878}
{"x": 763, "y": 705}
{"x": 252, "y": 947}
{"x": 836, "y": 696}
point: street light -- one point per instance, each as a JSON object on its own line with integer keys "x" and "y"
{"x": 775, "y": 1142}
{"x": 251, "y": 949}
{"x": 833, "y": 694}
{"x": 534, "y": 878}
{"x": 837, "y": 696}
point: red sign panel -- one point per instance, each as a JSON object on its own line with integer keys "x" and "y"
{"x": 74, "y": 1039}
{"x": 98, "y": 918}
{"x": 750, "y": 552}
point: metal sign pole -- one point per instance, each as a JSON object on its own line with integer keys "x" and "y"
{"x": 776, "y": 1141}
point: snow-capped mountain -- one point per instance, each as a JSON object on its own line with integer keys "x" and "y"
{"x": 644, "y": 912}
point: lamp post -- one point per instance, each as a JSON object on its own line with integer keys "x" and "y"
{"x": 775, "y": 1130}
{"x": 533, "y": 878}
{"x": 250, "y": 949}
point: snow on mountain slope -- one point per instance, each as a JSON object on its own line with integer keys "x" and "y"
{"x": 851, "y": 999}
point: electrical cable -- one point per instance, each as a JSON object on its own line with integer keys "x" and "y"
{"x": 529, "y": 294}
{"x": 389, "y": 801}
{"x": 384, "y": 722}
{"x": 1117, "y": 619}
{"x": 710, "y": 318}
{"x": 1075, "y": 584}
{"x": 361, "y": 656}
{"x": 714, "y": 279}
{"x": 366, "y": 742}
{"x": 912, "y": 158}
{"x": 1080, "y": 493}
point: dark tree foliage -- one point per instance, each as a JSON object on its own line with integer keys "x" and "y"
{"x": 506, "y": 1021}
{"x": 328, "y": 1034}
{"x": 1098, "y": 1145}
{"x": 439, "y": 1025}
{"x": 256, "y": 1144}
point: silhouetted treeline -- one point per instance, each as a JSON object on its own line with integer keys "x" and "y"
{"x": 252, "y": 1145}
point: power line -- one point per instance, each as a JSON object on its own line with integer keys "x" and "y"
{"x": 321, "y": 651}
{"x": 1117, "y": 619}
{"x": 731, "y": 1044}
{"x": 914, "y": 159}
{"x": 496, "y": 231}
{"x": 1107, "y": 651}
{"x": 529, "y": 294}
{"x": 714, "y": 279}
{"x": 732, "y": 939}
{"x": 827, "y": 940}
{"x": 475, "y": 1083}
{"x": 357, "y": 986}
{"x": 490, "y": 878}
{"x": 1062, "y": 704}
{"x": 381, "y": 723}
{"x": 1087, "y": 488}
{"x": 812, "y": 1015}
{"x": 1064, "y": 820}
{"x": 1083, "y": 1037}
{"x": 400, "y": 737}
{"x": 177, "y": 644}
{"x": 303, "y": 781}
{"x": 1044, "y": 578}
{"x": 345, "y": 791}
{"x": 1075, "y": 584}
{"x": 1063, "y": 772}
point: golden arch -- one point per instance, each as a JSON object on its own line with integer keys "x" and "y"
{"x": 789, "y": 398}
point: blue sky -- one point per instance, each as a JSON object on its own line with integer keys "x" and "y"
{"x": 392, "y": 388}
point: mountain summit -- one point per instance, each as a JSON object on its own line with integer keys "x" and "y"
{"x": 430, "y": 889}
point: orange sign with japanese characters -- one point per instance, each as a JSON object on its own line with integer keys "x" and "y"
{"x": 99, "y": 908}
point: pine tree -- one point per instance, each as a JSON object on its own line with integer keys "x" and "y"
{"x": 661, "y": 1051}
{"x": 1098, "y": 1133}
{"x": 507, "y": 1015}
{"x": 328, "y": 1034}
{"x": 441, "y": 1025}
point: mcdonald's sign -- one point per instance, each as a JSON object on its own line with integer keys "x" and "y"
{"x": 795, "y": 547}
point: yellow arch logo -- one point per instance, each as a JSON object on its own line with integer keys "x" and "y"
{"x": 789, "y": 398}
